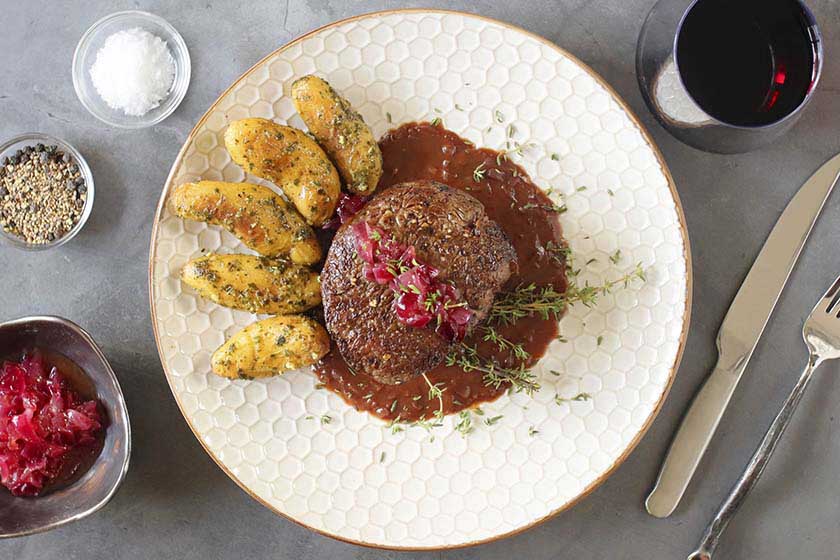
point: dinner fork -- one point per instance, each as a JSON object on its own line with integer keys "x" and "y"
{"x": 822, "y": 336}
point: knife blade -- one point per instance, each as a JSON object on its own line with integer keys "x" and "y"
{"x": 738, "y": 336}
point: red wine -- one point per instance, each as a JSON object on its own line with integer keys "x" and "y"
{"x": 748, "y": 62}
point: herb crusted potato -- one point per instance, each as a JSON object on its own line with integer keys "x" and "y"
{"x": 270, "y": 347}
{"x": 290, "y": 159}
{"x": 341, "y": 131}
{"x": 255, "y": 214}
{"x": 255, "y": 284}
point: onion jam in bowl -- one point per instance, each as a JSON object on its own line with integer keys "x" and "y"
{"x": 71, "y": 411}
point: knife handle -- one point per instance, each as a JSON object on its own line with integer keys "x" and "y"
{"x": 690, "y": 442}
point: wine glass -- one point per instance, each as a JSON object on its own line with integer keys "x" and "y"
{"x": 728, "y": 76}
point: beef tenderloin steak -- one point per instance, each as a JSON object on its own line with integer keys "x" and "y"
{"x": 449, "y": 231}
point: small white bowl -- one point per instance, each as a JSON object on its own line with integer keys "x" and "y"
{"x": 89, "y": 46}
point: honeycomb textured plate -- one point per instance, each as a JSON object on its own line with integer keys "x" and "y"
{"x": 351, "y": 478}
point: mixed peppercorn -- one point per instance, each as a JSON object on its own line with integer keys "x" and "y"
{"x": 42, "y": 194}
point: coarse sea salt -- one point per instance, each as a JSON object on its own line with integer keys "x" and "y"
{"x": 133, "y": 71}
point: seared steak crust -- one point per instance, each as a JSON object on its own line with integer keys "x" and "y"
{"x": 450, "y": 231}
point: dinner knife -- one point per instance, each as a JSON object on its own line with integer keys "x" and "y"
{"x": 739, "y": 333}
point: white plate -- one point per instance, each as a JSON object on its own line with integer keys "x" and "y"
{"x": 352, "y": 479}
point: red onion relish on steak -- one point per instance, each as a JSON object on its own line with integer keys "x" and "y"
{"x": 421, "y": 296}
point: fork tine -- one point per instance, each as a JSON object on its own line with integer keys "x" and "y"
{"x": 834, "y": 289}
{"x": 830, "y": 299}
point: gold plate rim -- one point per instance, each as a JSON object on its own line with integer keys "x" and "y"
{"x": 686, "y": 255}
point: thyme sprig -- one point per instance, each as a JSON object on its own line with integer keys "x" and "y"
{"x": 504, "y": 344}
{"x": 495, "y": 375}
{"x": 559, "y": 252}
{"x": 529, "y": 300}
{"x": 435, "y": 392}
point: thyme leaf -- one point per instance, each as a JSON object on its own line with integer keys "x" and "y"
{"x": 478, "y": 173}
{"x": 493, "y": 420}
{"x": 580, "y": 397}
{"x": 464, "y": 425}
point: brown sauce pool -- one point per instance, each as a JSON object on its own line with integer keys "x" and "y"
{"x": 418, "y": 151}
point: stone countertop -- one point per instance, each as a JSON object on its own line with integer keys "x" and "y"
{"x": 176, "y": 503}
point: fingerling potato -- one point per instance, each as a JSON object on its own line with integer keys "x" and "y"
{"x": 341, "y": 131}
{"x": 270, "y": 347}
{"x": 290, "y": 159}
{"x": 255, "y": 214}
{"x": 255, "y": 284}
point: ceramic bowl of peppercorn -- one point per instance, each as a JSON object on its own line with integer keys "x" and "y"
{"x": 46, "y": 192}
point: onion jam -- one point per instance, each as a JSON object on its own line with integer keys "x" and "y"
{"x": 47, "y": 430}
{"x": 421, "y": 296}
{"x": 418, "y": 151}
{"x": 348, "y": 206}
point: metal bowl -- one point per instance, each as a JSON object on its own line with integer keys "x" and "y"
{"x": 24, "y": 516}
{"x": 12, "y": 145}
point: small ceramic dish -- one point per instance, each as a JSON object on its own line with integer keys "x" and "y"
{"x": 31, "y": 139}
{"x": 89, "y": 46}
{"x": 24, "y": 516}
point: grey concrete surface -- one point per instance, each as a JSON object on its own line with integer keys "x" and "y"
{"x": 175, "y": 503}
